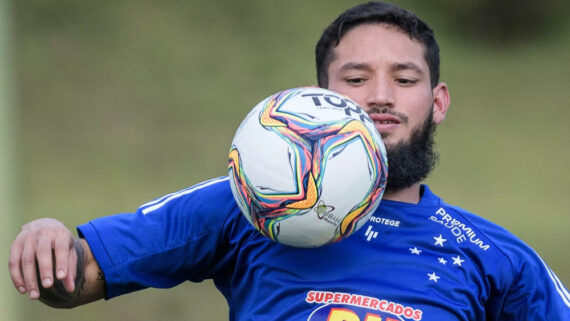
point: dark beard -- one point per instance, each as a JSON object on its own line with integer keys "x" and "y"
{"x": 411, "y": 161}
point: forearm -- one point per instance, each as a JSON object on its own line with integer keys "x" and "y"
{"x": 89, "y": 283}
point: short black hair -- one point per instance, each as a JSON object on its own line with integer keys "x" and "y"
{"x": 376, "y": 12}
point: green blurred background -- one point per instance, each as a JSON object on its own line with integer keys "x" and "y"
{"x": 118, "y": 102}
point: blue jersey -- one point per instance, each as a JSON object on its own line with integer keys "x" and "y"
{"x": 426, "y": 261}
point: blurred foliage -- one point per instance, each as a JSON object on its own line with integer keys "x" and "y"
{"x": 504, "y": 22}
{"x": 119, "y": 102}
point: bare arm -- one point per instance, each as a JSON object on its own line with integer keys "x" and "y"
{"x": 51, "y": 265}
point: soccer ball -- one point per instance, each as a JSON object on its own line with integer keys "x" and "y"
{"x": 307, "y": 167}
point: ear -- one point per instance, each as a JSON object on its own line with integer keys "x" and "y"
{"x": 441, "y": 102}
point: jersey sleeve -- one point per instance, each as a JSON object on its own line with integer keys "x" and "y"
{"x": 533, "y": 291}
{"x": 181, "y": 236}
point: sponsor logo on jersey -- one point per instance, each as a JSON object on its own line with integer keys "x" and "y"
{"x": 384, "y": 221}
{"x": 370, "y": 233}
{"x": 372, "y": 230}
{"x": 338, "y": 306}
{"x": 461, "y": 231}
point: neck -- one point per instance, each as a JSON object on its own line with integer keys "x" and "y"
{"x": 406, "y": 195}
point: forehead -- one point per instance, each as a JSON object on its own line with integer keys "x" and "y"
{"x": 375, "y": 43}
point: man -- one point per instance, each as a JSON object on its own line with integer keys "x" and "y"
{"x": 434, "y": 261}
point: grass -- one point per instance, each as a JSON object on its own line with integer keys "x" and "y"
{"x": 120, "y": 102}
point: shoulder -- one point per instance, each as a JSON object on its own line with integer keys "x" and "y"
{"x": 468, "y": 229}
{"x": 211, "y": 192}
{"x": 481, "y": 232}
{"x": 200, "y": 211}
{"x": 475, "y": 231}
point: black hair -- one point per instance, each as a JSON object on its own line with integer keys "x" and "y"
{"x": 376, "y": 12}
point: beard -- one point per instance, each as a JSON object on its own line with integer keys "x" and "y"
{"x": 411, "y": 161}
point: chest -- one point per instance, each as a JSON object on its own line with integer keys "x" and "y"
{"x": 388, "y": 270}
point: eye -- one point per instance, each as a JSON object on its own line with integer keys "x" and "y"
{"x": 406, "y": 81}
{"x": 355, "y": 80}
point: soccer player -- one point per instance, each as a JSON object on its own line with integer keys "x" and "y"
{"x": 418, "y": 258}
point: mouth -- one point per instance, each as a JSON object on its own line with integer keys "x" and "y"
{"x": 385, "y": 122}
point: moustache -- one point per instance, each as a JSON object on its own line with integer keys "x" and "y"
{"x": 376, "y": 110}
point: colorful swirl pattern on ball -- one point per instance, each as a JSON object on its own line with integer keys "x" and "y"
{"x": 310, "y": 142}
{"x": 377, "y": 167}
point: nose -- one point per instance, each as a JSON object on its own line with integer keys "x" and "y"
{"x": 380, "y": 95}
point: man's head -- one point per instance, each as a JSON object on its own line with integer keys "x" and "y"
{"x": 376, "y": 12}
{"x": 387, "y": 60}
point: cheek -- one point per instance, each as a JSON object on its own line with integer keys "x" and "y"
{"x": 420, "y": 119}
{"x": 417, "y": 107}
{"x": 356, "y": 94}
{"x": 357, "y": 98}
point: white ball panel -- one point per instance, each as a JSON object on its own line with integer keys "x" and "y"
{"x": 305, "y": 230}
{"x": 265, "y": 159}
{"x": 346, "y": 179}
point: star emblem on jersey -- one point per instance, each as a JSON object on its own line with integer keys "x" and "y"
{"x": 436, "y": 248}
{"x": 457, "y": 260}
{"x": 439, "y": 240}
{"x": 433, "y": 277}
{"x": 415, "y": 250}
